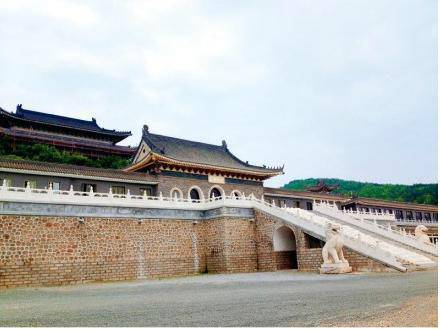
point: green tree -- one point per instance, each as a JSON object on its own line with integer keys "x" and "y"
{"x": 417, "y": 193}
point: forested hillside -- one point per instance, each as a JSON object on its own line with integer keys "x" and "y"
{"x": 418, "y": 193}
{"x": 46, "y": 153}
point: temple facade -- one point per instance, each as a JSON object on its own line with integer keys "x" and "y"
{"x": 173, "y": 167}
{"x": 64, "y": 133}
{"x": 184, "y": 207}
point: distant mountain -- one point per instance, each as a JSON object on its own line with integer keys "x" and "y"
{"x": 417, "y": 193}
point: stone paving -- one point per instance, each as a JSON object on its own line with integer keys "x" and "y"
{"x": 285, "y": 298}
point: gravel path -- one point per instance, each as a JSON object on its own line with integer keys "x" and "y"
{"x": 284, "y": 298}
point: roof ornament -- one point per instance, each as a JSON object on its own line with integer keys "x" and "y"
{"x": 224, "y": 144}
{"x": 94, "y": 120}
{"x": 145, "y": 130}
{"x": 322, "y": 187}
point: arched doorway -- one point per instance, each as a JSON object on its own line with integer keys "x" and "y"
{"x": 284, "y": 242}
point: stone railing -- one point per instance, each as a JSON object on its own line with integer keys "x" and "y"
{"x": 374, "y": 216}
{"x": 416, "y": 222}
{"x": 362, "y": 215}
{"x": 307, "y": 221}
{"x": 368, "y": 245}
{"x": 390, "y": 232}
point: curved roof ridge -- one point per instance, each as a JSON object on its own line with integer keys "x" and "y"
{"x": 60, "y": 120}
{"x": 198, "y": 152}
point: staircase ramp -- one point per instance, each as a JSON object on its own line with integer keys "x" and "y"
{"x": 387, "y": 232}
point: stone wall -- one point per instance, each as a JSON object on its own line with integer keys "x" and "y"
{"x": 38, "y": 250}
{"x": 167, "y": 183}
{"x": 52, "y": 250}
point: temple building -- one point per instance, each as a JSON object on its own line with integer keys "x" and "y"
{"x": 68, "y": 134}
{"x": 169, "y": 166}
{"x": 180, "y": 207}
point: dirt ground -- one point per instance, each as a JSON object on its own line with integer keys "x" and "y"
{"x": 416, "y": 312}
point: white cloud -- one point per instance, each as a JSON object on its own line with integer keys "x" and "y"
{"x": 269, "y": 76}
{"x": 63, "y": 11}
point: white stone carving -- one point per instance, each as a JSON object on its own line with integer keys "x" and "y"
{"x": 420, "y": 234}
{"x": 334, "y": 261}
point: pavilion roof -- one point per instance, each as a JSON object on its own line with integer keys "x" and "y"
{"x": 28, "y": 116}
{"x": 190, "y": 153}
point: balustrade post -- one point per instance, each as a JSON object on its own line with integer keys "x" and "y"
{"x": 110, "y": 193}
{"x": 71, "y": 190}
{"x": 50, "y": 190}
{"x": 144, "y": 195}
{"x": 4, "y": 187}
{"x": 128, "y": 194}
{"x": 91, "y": 194}
{"x": 28, "y": 188}
{"x": 161, "y": 198}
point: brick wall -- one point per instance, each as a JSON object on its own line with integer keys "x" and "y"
{"x": 60, "y": 250}
{"x": 167, "y": 183}
{"x": 37, "y": 250}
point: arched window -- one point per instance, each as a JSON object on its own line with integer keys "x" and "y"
{"x": 176, "y": 193}
{"x": 215, "y": 193}
{"x": 194, "y": 194}
{"x": 236, "y": 194}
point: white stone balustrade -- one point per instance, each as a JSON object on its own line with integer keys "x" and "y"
{"x": 388, "y": 231}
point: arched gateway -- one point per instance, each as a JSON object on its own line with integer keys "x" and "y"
{"x": 285, "y": 254}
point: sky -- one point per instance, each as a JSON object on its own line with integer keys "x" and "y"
{"x": 328, "y": 88}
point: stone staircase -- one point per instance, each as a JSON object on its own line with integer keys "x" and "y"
{"x": 389, "y": 233}
{"x": 373, "y": 246}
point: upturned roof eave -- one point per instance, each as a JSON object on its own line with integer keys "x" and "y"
{"x": 104, "y": 131}
{"x": 155, "y": 157}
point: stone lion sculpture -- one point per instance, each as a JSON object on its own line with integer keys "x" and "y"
{"x": 332, "y": 251}
{"x": 421, "y": 235}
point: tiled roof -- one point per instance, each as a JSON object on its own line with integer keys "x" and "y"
{"x": 62, "y": 121}
{"x": 392, "y": 204}
{"x": 57, "y": 169}
{"x": 368, "y": 202}
{"x": 200, "y": 153}
{"x": 303, "y": 194}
